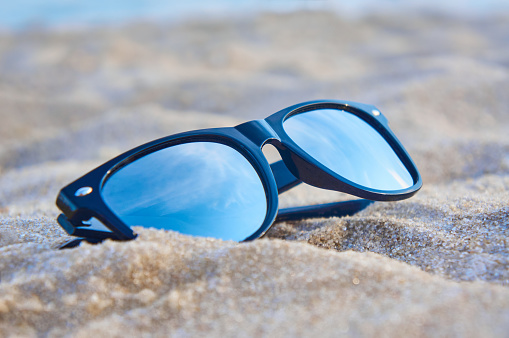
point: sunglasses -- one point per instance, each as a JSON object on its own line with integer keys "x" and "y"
{"x": 218, "y": 183}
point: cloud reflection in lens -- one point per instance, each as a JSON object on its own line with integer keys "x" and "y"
{"x": 350, "y": 147}
{"x": 198, "y": 188}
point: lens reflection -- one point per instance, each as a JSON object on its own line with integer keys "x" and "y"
{"x": 350, "y": 147}
{"x": 199, "y": 188}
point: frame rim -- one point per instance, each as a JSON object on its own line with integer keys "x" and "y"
{"x": 93, "y": 204}
{"x": 379, "y": 122}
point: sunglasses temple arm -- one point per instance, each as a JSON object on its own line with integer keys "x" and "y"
{"x": 285, "y": 181}
{"x": 336, "y": 209}
{"x": 284, "y": 178}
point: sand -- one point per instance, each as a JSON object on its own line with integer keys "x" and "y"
{"x": 433, "y": 265}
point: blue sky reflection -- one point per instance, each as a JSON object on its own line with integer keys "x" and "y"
{"x": 199, "y": 188}
{"x": 350, "y": 147}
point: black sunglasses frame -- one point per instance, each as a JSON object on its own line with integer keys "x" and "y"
{"x": 81, "y": 200}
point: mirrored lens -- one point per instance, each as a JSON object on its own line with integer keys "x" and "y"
{"x": 199, "y": 188}
{"x": 350, "y": 147}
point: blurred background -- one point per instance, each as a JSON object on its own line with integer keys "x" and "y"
{"x": 18, "y": 14}
{"x": 78, "y": 79}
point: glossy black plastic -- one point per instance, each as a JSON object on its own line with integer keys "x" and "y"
{"x": 248, "y": 139}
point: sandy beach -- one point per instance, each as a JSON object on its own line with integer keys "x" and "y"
{"x": 434, "y": 265}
